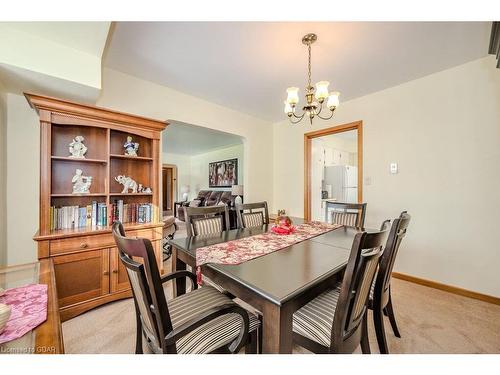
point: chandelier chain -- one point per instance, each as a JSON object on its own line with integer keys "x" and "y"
{"x": 309, "y": 66}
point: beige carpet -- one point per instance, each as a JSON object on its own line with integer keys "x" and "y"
{"x": 430, "y": 321}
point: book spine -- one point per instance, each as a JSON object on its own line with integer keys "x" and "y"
{"x": 120, "y": 210}
{"x": 94, "y": 213}
{"x": 88, "y": 221}
{"x": 51, "y": 218}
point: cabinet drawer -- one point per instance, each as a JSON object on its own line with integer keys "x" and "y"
{"x": 73, "y": 244}
{"x": 151, "y": 234}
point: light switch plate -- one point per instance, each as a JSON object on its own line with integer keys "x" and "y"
{"x": 394, "y": 168}
{"x": 368, "y": 181}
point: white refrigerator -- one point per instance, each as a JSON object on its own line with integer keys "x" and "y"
{"x": 343, "y": 180}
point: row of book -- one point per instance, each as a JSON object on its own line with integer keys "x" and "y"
{"x": 133, "y": 212}
{"x": 98, "y": 214}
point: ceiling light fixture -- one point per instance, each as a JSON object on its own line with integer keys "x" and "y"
{"x": 312, "y": 108}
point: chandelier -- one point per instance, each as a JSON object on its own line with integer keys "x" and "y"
{"x": 312, "y": 108}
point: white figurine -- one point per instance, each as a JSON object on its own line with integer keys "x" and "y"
{"x": 127, "y": 183}
{"x": 147, "y": 190}
{"x": 81, "y": 184}
{"x": 131, "y": 147}
{"x": 76, "y": 148}
{"x": 140, "y": 188}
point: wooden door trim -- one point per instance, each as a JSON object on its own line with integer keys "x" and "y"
{"x": 356, "y": 125}
{"x": 175, "y": 182}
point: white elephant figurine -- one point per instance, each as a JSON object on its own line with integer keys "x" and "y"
{"x": 127, "y": 183}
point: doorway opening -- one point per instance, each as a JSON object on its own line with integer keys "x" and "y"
{"x": 169, "y": 183}
{"x": 209, "y": 164}
{"x": 333, "y": 168}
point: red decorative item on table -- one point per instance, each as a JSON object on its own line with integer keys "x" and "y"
{"x": 283, "y": 225}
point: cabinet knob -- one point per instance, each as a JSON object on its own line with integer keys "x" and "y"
{"x": 83, "y": 245}
{"x": 106, "y": 273}
{"x": 115, "y": 271}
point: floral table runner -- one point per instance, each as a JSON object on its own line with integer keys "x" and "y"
{"x": 244, "y": 249}
{"x": 29, "y": 309}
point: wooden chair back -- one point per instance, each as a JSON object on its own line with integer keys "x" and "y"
{"x": 252, "y": 214}
{"x": 147, "y": 289}
{"x": 206, "y": 220}
{"x": 396, "y": 235}
{"x": 348, "y": 214}
{"x": 355, "y": 290}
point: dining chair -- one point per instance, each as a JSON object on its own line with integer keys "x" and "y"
{"x": 201, "y": 321}
{"x": 169, "y": 229}
{"x": 251, "y": 215}
{"x": 336, "y": 320}
{"x": 206, "y": 220}
{"x": 347, "y": 214}
{"x": 380, "y": 300}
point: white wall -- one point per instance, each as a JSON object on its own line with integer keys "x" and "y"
{"x": 23, "y": 159}
{"x": 130, "y": 94}
{"x": 3, "y": 175}
{"x": 444, "y": 131}
{"x": 193, "y": 170}
{"x": 31, "y": 52}
{"x": 199, "y": 166}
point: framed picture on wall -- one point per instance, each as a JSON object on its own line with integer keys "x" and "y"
{"x": 223, "y": 173}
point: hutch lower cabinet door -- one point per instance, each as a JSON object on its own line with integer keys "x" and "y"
{"x": 82, "y": 276}
{"x": 119, "y": 277}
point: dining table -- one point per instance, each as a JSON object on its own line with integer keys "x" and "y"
{"x": 276, "y": 284}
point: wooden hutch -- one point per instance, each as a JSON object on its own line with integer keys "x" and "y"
{"x": 87, "y": 266}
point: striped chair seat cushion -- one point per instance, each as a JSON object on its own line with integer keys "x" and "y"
{"x": 254, "y": 219}
{"x": 349, "y": 219}
{"x": 209, "y": 225}
{"x": 315, "y": 320}
{"x": 212, "y": 335}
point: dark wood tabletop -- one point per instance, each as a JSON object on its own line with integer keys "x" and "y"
{"x": 277, "y": 284}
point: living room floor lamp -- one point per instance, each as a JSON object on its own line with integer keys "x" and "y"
{"x": 238, "y": 191}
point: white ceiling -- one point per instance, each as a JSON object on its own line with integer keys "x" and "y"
{"x": 187, "y": 139}
{"x": 24, "y": 69}
{"x": 248, "y": 66}
{"x": 89, "y": 37}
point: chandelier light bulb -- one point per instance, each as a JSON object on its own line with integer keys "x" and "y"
{"x": 293, "y": 95}
{"x": 288, "y": 108}
{"x": 333, "y": 100}
{"x": 322, "y": 90}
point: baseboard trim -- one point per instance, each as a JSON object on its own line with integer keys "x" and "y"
{"x": 447, "y": 288}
